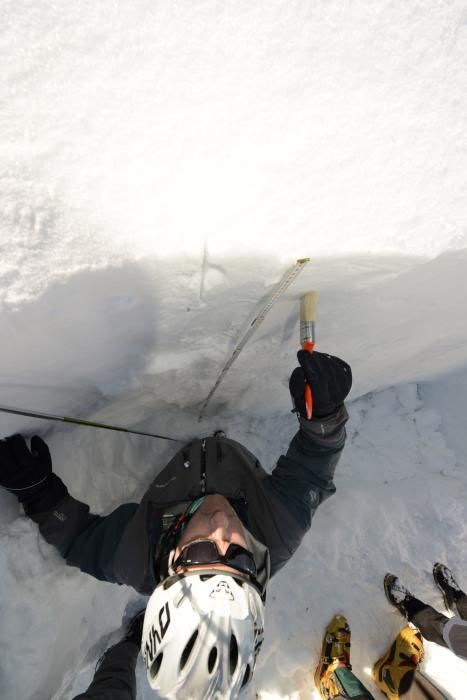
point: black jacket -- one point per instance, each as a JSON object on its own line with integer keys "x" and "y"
{"x": 276, "y": 508}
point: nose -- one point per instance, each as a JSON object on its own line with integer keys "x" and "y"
{"x": 220, "y": 524}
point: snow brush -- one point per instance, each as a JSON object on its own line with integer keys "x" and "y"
{"x": 308, "y": 310}
{"x": 80, "y": 421}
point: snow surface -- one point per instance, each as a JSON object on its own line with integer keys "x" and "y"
{"x": 161, "y": 166}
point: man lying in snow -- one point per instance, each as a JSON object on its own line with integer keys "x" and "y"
{"x": 209, "y": 532}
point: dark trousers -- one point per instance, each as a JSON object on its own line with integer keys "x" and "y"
{"x": 114, "y": 678}
{"x": 429, "y": 621}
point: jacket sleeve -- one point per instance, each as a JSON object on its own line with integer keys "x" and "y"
{"x": 114, "y": 678}
{"x": 455, "y": 636}
{"x": 303, "y": 478}
{"x": 85, "y": 540}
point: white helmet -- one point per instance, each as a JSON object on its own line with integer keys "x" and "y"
{"x": 202, "y": 632}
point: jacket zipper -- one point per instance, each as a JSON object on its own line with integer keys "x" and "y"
{"x": 203, "y": 467}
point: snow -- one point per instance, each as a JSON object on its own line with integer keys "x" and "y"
{"x": 162, "y": 165}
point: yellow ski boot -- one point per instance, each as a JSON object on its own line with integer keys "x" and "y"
{"x": 335, "y": 651}
{"x": 393, "y": 673}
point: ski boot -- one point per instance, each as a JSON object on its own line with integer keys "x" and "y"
{"x": 397, "y": 594}
{"x": 335, "y": 653}
{"x": 448, "y": 585}
{"x": 393, "y": 673}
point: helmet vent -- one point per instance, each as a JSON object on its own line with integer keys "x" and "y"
{"x": 247, "y": 676}
{"x": 188, "y": 649}
{"x": 154, "y": 670}
{"x": 233, "y": 654}
{"x": 212, "y": 659}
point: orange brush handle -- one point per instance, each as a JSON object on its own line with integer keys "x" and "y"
{"x": 308, "y": 401}
{"x": 308, "y": 393}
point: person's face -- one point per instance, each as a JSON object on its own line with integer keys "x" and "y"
{"x": 215, "y": 520}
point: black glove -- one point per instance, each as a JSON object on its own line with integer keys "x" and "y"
{"x": 134, "y": 629}
{"x": 28, "y": 472}
{"x": 329, "y": 377}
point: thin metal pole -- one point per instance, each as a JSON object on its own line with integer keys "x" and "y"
{"x": 80, "y": 421}
{"x": 280, "y": 288}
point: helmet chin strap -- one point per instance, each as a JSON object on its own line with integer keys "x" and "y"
{"x": 180, "y": 524}
{"x": 193, "y": 507}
